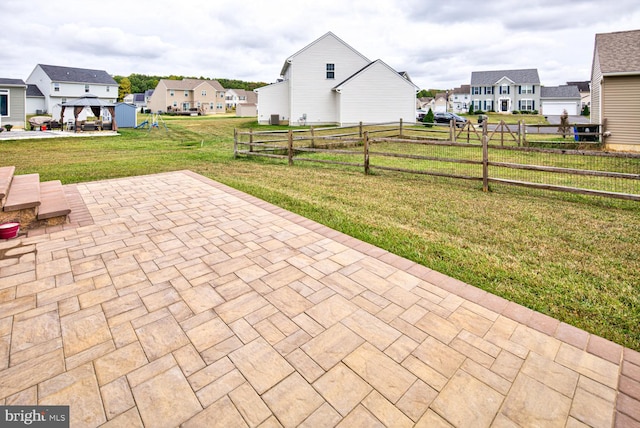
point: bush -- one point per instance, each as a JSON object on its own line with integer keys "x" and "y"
{"x": 515, "y": 112}
{"x": 428, "y": 119}
{"x": 471, "y": 109}
{"x": 479, "y": 112}
{"x": 585, "y": 111}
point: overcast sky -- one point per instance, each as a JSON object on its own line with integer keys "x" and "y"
{"x": 439, "y": 43}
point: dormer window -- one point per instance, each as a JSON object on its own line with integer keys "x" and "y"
{"x": 331, "y": 71}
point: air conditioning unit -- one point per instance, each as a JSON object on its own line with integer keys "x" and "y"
{"x": 275, "y": 119}
{"x": 39, "y": 112}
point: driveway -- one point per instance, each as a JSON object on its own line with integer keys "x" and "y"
{"x": 555, "y": 120}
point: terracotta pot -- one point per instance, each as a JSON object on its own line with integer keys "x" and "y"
{"x": 9, "y": 230}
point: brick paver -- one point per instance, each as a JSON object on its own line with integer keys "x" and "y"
{"x": 173, "y": 300}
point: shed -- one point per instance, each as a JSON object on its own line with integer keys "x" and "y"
{"x": 247, "y": 110}
{"x": 127, "y": 115}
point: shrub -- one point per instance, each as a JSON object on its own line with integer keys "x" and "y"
{"x": 515, "y": 112}
{"x": 585, "y": 111}
{"x": 428, "y": 119}
{"x": 471, "y": 108}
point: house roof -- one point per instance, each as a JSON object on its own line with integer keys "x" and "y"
{"x": 378, "y": 61}
{"x": 488, "y": 78}
{"x": 583, "y": 86}
{"x": 12, "y": 82}
{"x": 34, "y": 91}
{"x": 77, "y": 75}
{"x": 329, "y": 34}
{"x": 463, "y": 89}
{"x": 618, "y": 52}
{"x": 190, "y": 84}
{"x": 563, "y": 91}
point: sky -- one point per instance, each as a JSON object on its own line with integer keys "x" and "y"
{"x": 438, "y": 43}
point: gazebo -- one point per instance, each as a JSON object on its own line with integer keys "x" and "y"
{"x": 95, "y": 104}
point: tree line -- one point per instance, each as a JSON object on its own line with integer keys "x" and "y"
{"x": 139, "y": 83}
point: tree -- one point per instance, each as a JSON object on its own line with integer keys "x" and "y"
{"x": 124, "y": 88}
{"x": 585, "y": 111}
{"x": 428, "y": 119}
{"x": 470, "y": 108}
{"x": 564, "y": 123}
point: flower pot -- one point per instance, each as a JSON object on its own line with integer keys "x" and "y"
{"x": 9, "y": 230}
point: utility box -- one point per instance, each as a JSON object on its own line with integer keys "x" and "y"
{"x": 275, "y": 119}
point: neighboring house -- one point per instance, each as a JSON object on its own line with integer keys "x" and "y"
{"x": 13, "y": 101}
{"x": 460, "y": 99}
{"x": 35, "y": 100}
{"x": 584, "y": 87}
{"x": 615, "y": 88}
{"x": 61, "y": 84}
{"x": 424, "y": 103}
{"x": 554, "y": 100}
{"x": 188, "y": 95}
{"x": 329, "y": 82}
{"x": 138, "y": 100}
{"x": 233, "y": 97}
{"x": 440, "y": 103}
{"x": 505, "y": 91}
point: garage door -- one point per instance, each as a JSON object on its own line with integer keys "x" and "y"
{"x": 556, "y": 108}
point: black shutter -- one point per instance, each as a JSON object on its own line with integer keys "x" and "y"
{"x": 520, "y": 89}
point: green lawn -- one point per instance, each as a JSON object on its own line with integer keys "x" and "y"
{"x": 572, "y": 257}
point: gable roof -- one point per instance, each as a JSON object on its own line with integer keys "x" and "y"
{"x": 329, "y": 34}
{"x": 583, "y": 85}
{"x": 378, "y": 61}
{"x": 190, "y": 84}
{"x": 618, "y": 52}
{"x": 463, "y": 89}
{"x": 34, "y": 91}
{"x": 77, "y": 75}
{"x": 563, "y": 91}
{"x": 489, "y": 78}
{"x": 12, "y": 82}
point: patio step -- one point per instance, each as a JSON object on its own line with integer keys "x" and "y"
{"x": 6, "y": 175}
{"x": 54, "y": 203}
{"x": 25, "y": 200}
{"x": 24, "y": 193}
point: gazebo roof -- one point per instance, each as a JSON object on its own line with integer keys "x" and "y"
{"x": 89, "y": 100}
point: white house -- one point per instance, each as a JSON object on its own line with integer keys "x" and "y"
{"x": 61, "y": 84}
{"x": 329, "y": 82}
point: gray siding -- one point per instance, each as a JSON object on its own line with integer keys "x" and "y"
{"x": 17, "y": 106}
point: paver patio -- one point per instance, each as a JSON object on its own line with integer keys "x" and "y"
{"x": 173, "y": 300}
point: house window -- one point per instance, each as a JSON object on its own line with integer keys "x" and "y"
{"x": 488, "y": 105}
{"x": 108, "y": 88}
{"x": 331, "y": 68}
{"x": 175, "y": 104}
{"x": 171, "y": 93}
{"x": 527, "y": 105}
{"x": 86, "y": 89}
{"x": 4, "y": 102}
{"x": 204, "y": 93}
{"x": 526, "y": 89}
{"x": 56, "y": 87}
{"x": 475, "y": 90}
{"x": 211, "y": 106}
{"x": 219, "y": 106}
{"x": 504, "y": 89}
{"x": 488, "y": 90}
{"x": 477, "y": 105}
{"x": 186, "y": 93}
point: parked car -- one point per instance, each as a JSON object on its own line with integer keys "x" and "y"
{"x": 446, "y": 117}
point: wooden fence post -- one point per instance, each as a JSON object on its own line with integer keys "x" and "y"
{"x": 360, "y": 131}
{"x": 366, "y": 153}
{"x": 603, "y": 131}
{"x": 502, "y": 125}
{"x": 250, "y": 139}
{"x": 524, "y": 134}
{"x": 313, "y": 141}
{"x": 290, "y": 153}
{"x": 400, "y": 127}
{"x": 235, "y": 143}
{"x": 519, "y": 132}
{"x": 485, "y": 159}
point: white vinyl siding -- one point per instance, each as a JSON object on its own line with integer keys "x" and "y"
{"x": 311, "y": 93}
{"x": 273, "y": 99}
{"x": 377, "y": 95}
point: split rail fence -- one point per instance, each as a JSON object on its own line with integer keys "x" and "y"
{"x": 488, "y": 153}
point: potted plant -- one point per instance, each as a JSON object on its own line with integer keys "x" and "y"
{"x": 8, "y": 127}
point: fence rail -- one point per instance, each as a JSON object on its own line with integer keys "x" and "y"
{"x": 501, "y": 155}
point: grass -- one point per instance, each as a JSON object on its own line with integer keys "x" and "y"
{"x": 572, "y": 257}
